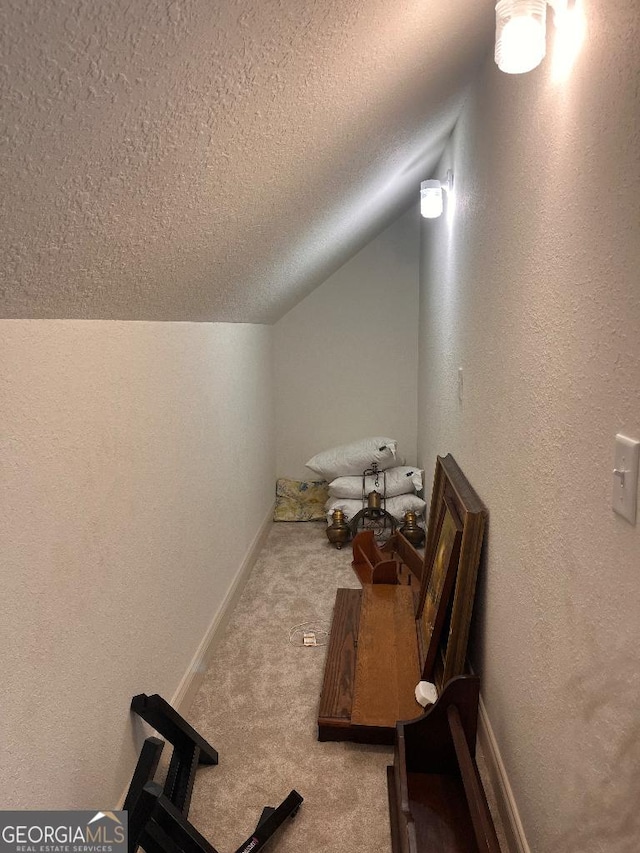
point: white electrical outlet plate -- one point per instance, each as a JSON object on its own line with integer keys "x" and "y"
{"x": 625, "y": 477}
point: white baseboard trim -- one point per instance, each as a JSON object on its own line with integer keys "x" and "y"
{"x": 502, "y": 789}
{"x": 193, "y": 677}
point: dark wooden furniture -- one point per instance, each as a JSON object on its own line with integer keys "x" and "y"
{"x": 397, "y": 561}
{"x": 145, "y": 771}
{"x": 391, "y": 634}
{"x": 189, "y": 750}
{"x": 158, "y": 815}
{"x": 436, "y": 800}
{"x": 160, "y": 827}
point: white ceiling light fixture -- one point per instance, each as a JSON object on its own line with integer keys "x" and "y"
{"x": 521, "y": 32}
{"x": 431, "y": 203}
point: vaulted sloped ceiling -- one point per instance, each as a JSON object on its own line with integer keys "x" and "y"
{"x": 203, "y": 160}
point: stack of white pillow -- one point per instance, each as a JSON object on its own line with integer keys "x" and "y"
{"x": 343, "y": 466}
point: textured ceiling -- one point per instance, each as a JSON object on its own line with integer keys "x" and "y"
{"x": 200, "y": 160}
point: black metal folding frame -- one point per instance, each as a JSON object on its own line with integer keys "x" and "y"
{"x": 158, "y": 816}
{"x": 162, "y": 828}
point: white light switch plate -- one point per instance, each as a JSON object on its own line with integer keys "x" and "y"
{"x": 625, "y": 477}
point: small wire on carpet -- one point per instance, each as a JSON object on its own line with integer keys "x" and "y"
{"x": 309, "y": 634}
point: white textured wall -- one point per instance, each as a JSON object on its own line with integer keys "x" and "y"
{"x": 137, "y": 468}
{"x": 346, "y": 356}
{"x": 532, "y": 287}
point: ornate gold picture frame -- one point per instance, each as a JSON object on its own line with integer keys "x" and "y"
{"x": 452, "y": 497}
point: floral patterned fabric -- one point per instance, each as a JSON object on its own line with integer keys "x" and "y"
{"x": 300, "y": 500}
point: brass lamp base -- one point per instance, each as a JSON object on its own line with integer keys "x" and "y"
{"x": 339, "y": 531}
{"x": 411, "y": 530}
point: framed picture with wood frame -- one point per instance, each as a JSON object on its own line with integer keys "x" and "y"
{"x": 452, "y": 498}
{"x": 435, "y": 595}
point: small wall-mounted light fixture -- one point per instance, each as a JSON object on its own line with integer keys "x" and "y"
{"x": 521, "y": 32}
{"x": 431, "y": 204}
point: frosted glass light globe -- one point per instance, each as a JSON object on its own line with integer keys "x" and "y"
{"x": 431, "y": 199}
{"x": 520, "y": 35}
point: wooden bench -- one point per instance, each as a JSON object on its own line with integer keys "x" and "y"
{"x": 436, "y": 799}
{"x": 372, "y": 665}
{"x": 386, "y": 637}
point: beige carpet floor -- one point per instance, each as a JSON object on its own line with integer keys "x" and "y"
{"x": 258, "y": 707}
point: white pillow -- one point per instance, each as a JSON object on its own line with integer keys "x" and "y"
{"x": 395, "y": 506}
{"x": 399, "y": 481}
{"x": 354, "y": 458}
